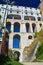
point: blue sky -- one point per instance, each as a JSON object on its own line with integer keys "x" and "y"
{"x": 29, "y": 3}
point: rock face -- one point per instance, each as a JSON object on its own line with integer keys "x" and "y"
{"x": 4, "y": 47}
{"x": 41, "y": 6}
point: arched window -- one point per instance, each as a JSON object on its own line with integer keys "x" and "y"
{"x": 27, "y": 27}
{"x": 40, "y": 25}
{"x": 16, "y": 27}
{"x": 29, "y": 37}
{"x": 34, "y": 27}
{"x": 39, "y": 18}
{"x": 8, "y": 26}
{"x": 16, "y": 41}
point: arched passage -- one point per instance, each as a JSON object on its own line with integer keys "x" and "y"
{"x": 16, "y": 27}
{"x": 27, "y": 27}
{"x": 8, "y": 26}
{"x": 34, "y": 27}
{"x": 16, "y": 41}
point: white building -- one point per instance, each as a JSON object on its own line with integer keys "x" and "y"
{"x": 23, "y": 22}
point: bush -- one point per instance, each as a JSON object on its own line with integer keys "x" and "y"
{"x": 12, "y": 63}
{"x": 3, "y": 59}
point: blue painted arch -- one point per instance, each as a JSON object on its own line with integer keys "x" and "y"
{"x": 16, "y": 41}
{"x": 27, "y": 27}
{"x": 8, "y": 26}
{"x": 16, "y": 27}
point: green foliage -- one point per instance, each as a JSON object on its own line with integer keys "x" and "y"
{"x": 5, "y": 60}
{"x": 12, "y": 63}
{"x": 39, "y": 50}
{"x": 39, "y": 53}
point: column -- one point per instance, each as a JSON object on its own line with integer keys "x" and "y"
{"x": 31, "y": 28}
{"x": 21, "y": 56}
{"x": 22, "y": 27}
{"x": 10, "y": 41}
{"x": 12, "y": 27}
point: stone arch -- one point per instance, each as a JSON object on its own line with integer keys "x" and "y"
{"x": 8, "y": 26}
{"x": 16, "y": 41}
{"x": 27, "y": 27}
{"x": 34, "y": 27}
{"x": 16, "y": 27}
{"x": 30, "y": 37}
{"x": 16, "y": 55}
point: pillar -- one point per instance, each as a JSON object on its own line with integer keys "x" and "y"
{"x": 12, "y": 27}
{"x": 22, "y": 28}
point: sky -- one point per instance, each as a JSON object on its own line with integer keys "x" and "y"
{"x": 27, "y": 3}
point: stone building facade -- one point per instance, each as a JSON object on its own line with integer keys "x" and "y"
{"x": 22, "y": 22}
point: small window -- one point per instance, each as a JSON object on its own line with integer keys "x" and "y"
{"x": 11, "y": 10}
{"x": 30, "y": 37}
{"x": 39, "y": 19}
{"x": 25, "y": 7}
{"x": 17, "y": 6}
{"x": 17, "y": 11}
{"x": 31, "y": 13}
{"x": 40, "y": 25}
{"x": 37, "y": 14}
{"x": 25, "y": 12}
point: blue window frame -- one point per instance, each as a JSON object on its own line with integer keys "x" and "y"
{"x": 8, "y": 26}
{"x": 16, "y": 27}
{"x": 27, "y": 27}
{"x": 15, "y": 42}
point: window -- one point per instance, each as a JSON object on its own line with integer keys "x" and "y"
{"x": 0, "y": 16}
{"x": 16, "y": 41}
{"x": 30, "y": 37}
{"x": 11, "y": 10}
{"x": 8, "y": 26}
{"x": 26, "y": 17}
{"x": 25, "y": 7}
{"x": 29, "y": 18}
{"x": 34, "y": 27}
{"x": 16, "y": 27}
{"x": 9, "y": 16}
{"x": 17, "y": 11}
{"x": 39, "y": 19}
{"x": 17, "y": 17}
{"x": 40, "y": 25}
{"x": 31, "y": 13}
{"x": 27, "y": 27}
